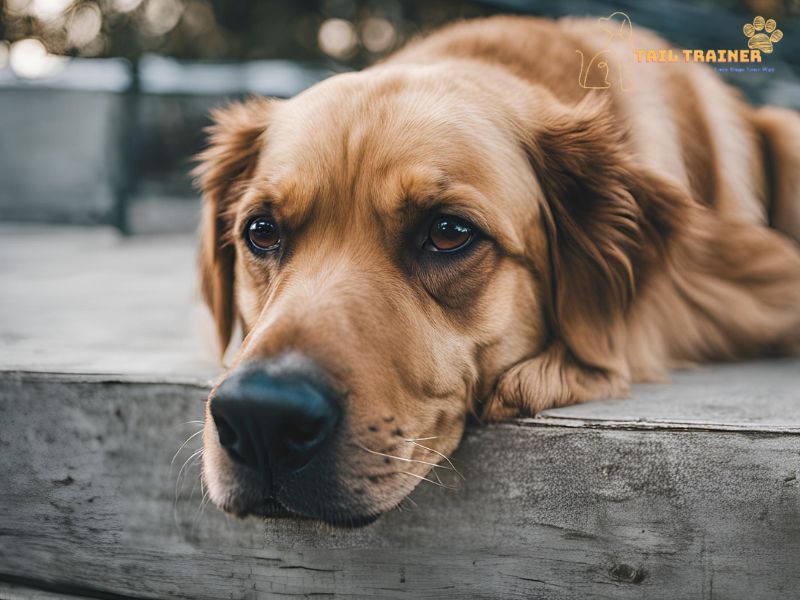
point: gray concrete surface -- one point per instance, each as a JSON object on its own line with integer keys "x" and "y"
{"x": 78, "y": 300}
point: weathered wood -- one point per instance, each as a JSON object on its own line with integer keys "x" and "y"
{"x": 688, "y": 489}
{"x": 11, "y": 591}
{"x": 545, "y": 511}
{"x": 756, "y": 396}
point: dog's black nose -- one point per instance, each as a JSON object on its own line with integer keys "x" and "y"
{"x": 265, "y": 421}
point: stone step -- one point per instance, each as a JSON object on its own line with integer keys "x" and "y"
{"x": 686, "y": 489}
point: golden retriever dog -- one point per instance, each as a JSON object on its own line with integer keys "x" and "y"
{"x": 464, "y": 228}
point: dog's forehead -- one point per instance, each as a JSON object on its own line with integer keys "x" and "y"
{"x": 353, "y": 129}
{"x": 378, "y": 142}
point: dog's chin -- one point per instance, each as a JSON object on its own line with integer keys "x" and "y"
{"x": 271, "y": 508}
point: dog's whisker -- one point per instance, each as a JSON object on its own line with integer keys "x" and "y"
{"x": 411, "y": 500}
{"x": 200, "y": 511}
{"x": 194, "y": 486}
{"x": 436, "y": 474}
{"x": 195, "y": 456}
{"x": 183, "y": 445}
{"x": 436, "y": 483}
{"x": 449, "y": 462}
{"x": 203, "y": 501}
{"x": 191, "y": 495}
{"x": 402, "y": 458}
{"x": 403, "y": 507}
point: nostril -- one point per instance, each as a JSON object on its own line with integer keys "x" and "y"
{"x": 228, "y": 438}
{"x": 304, "y": 433}
{"x": 226, "y": 433}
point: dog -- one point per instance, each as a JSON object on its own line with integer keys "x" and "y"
{"x": 464, "y": 229}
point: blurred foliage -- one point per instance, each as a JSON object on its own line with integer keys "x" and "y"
{"x": 354, "y": 32}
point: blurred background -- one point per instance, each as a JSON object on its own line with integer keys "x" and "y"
{"x": 103, "y": 102}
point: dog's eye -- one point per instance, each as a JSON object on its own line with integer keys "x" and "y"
{"x": 263, "y": 234}
{"x": 448, "y": 234}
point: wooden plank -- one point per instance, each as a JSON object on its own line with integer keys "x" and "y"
{"x": 755, "y": 396}
{"x": 686, "y": 489}
{"x": 11, "y": 591}
{"x": 545, "y": 512}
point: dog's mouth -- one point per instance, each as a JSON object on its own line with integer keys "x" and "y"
{"x": 272, "y": 508}
{"x": 268, "y": 508}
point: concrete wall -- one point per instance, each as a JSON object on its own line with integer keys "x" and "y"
{"x": 77, "y": 146}
{"x": 58, "y": 155}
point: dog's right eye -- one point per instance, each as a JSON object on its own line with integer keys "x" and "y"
{"x": 263, "y": 234}
{"x": 449, "y": 234}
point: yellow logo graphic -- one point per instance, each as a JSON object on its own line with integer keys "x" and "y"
{"x": 762, "y": 41}
{"x": 596, "y": 72}
{"x": 609, "y": 66}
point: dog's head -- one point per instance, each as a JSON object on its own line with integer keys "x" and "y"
{"x": 392, "y": 242}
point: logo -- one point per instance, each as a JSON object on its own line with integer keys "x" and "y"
{"x": 596, "y": 72}
{"x": 607, "y": 68}
{"x": 763, "y": 42}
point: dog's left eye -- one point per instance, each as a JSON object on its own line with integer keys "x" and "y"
{"x": 263, "y": 234}
{"x": 449, "y": 234}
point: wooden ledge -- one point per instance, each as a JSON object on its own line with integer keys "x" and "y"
{"x": 688, "y": 489}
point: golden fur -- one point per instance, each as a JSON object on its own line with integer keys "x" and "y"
{"x": 626, "y": 233}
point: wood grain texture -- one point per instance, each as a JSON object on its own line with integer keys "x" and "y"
{"x": 19, "y": 591}
{"x": 687, "y": 489}
{"x": 546, "y": 511}
{"x": 755, "y": 396}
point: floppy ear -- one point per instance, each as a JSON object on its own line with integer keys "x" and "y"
{"x": 608, "y": 221}
{"x": 224, "y": 168}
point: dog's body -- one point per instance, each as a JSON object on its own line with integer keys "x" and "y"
{"x": 610, "y": 235}
{"x": 681, "y": 122}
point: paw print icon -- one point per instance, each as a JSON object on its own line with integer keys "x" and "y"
{"x": 762, "y": 41}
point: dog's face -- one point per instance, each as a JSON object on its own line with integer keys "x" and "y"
{"x": 382, "y": 239}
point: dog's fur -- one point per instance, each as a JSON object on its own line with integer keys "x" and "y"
{"x": 625, "y": 233}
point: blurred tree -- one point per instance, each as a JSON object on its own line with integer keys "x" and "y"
{"x": 355, "y": 32}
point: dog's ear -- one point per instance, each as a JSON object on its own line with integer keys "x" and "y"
{"x": 606, "y": 219}
{"x": 225, "y": 166}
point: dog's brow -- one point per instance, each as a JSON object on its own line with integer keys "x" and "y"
{"x": 444, "y": 193}
{"x": 420, "y": 187}
{"x": 286, "y": 197}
